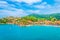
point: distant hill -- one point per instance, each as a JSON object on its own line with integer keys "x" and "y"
{"x": 38, "y": 15}
{"x": 55, "y": 15}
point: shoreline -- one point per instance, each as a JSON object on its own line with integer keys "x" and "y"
{"x": 36, "y": 25}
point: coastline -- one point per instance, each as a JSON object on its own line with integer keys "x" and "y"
{"x": 35, "y": 25}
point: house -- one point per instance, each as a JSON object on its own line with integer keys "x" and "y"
{"x": 57, "y": 22}
{"x": 48, "y": 22}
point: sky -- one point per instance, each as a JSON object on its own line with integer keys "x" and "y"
{"x": 21, "y": 8}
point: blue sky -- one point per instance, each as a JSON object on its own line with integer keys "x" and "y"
{"x": 26, "y": 7}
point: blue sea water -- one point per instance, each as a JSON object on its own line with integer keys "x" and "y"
{"x": 34, "y": 32}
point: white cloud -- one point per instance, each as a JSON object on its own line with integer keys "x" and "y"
{"x": 43, "y": 6}
{"x": 33, "y": 11}
{"x": 46, "y": 8}
{"x": 44, "y": 3}
{"x": 3, "y": 2}
{"x": 40, "y": 6}
{"x": 10, "y": 11}
{"x": 18, "y": 13}
{"x": 28, "y": 1}
{"x": 57, "y": 10}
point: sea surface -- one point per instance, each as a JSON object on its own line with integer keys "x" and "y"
{"x": 33, "y": 32}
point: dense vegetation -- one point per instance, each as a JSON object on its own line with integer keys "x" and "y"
{"x": 30, "y": 19}
{"x": 55, "y": 16}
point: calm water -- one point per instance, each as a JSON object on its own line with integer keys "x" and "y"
{"x": 14, "y": 32}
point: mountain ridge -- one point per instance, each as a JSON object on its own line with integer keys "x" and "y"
{"x": 55, "y": 15}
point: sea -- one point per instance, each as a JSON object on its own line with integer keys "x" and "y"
{"x": 29, "y": 32}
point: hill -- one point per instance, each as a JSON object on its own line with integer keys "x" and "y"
{"x": 53, "y": 15}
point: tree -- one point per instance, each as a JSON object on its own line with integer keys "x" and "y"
{"x": 53, "y": 19}
{"x": 32, "y": 18}
{"x": 41, "y": 19}
{"x": 3, "y": 20}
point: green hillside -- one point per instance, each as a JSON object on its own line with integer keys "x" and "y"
{"x": 47, "y": 17}
{"x": 33, "y": 19}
